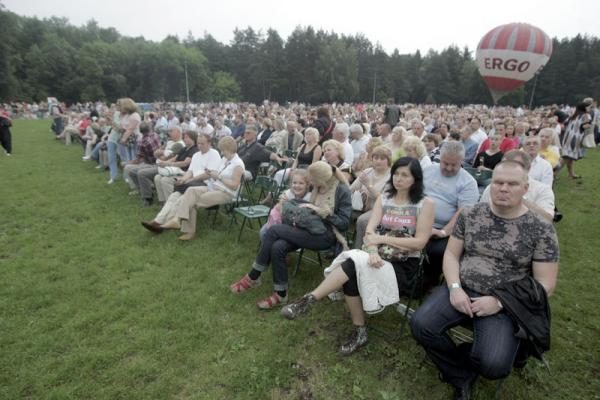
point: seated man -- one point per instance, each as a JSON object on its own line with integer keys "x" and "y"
{"x": 495, "y": 249}
{"x": 541, "y": 169}
{"x": 140, "y": 179}
{"x": 206, "y": 159}
{"x": 171, "y": 169}
{"x": 451, "y": 188}
{"x": 147, "y": 146}
{"x": 253, "y": 153}
{"x": 539, "y": 197}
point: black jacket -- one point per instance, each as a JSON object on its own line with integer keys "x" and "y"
{"x": 526, "y": 302}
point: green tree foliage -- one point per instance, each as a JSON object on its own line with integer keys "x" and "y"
{"x": 50, "y": 57}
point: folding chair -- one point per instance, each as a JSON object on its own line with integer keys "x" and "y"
{"x": 267, "y": 185}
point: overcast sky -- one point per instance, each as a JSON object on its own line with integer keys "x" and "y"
{"x": 407, "y": 26}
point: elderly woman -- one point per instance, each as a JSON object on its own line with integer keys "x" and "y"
{"x": 330, "y": 200}
{"x": 414, "y": 147}
{"x": 277, "y": 138}
{"x": 221, "y": 188}
{"x": 395, "y": 146}
{"x": 333, "y": 153}
{"x": 390, "y": 258}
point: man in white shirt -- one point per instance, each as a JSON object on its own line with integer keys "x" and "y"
{"x": 206, "y": 159}
{"x": 541, "y": 170}
{"x": 478, "y": 134}
{"x": 341, "y": 132}
{"x": 205, "y": 127}
{"x": 385, "y": 131}
{"x": 221, "y": 130}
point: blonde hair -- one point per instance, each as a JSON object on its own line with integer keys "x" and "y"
{"x": 374, "y": 142}
{"x": 323, "y": 174}
{"x": 228, "y": 143}
{"x": 337, "y": 145}
{"x": 382, "y": 151}
{"x": 312, "y": 130}
{"x": 417, "y": 143}
{"x": 127, "y": 105}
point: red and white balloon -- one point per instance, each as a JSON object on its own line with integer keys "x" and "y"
{"x": 510, "y": 55}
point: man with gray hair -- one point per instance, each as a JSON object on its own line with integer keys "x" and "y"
{"x": 341, "y": 132}
{"x": 451, "y": 188}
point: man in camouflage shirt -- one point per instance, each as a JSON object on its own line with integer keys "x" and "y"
{"x": 491, "y": 244}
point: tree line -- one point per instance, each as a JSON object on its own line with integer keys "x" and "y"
{"x": 51, "y": 57}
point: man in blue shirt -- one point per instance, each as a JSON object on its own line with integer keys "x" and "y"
{"x": 451, "y": 188}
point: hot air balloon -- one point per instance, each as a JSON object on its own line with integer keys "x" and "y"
{"x": 510, "y": 55}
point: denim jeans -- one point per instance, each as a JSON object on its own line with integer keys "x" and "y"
{"x": 279, "y": 240}
{"x": 95, "y": 154}
{"x": 491, "y": 354}
{"x": 125, "y": 152}
{"x": 113, "y": 166}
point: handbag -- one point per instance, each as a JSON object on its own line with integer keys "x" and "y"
{"x": 358, "y": 200}
{"x": 302, "y": 217}
{"x": 183, "y": 187}
{"x": 588, "y": 141}
{"x": 391, "y": 253}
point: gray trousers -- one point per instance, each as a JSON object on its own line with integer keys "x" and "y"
{"x": 361, "y": 228}
{"x": 143, "y": 179}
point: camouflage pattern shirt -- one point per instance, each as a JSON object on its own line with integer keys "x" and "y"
{"x": 498, "y": 250}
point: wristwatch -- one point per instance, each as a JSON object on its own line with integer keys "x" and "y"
{"x": 453, "y": 286}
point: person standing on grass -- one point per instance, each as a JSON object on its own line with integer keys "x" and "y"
{"x": 500, "y": 264}
{"x": 5, "y": 134}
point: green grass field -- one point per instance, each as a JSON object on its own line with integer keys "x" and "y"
{"x": 92, "y": 306}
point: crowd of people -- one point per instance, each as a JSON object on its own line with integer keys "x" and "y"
{"x": 407, "y": 177}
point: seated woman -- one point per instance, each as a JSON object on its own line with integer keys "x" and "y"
{"x": 398, "y": 135}
{"x": 407, "y": 217}
{"x": 298, "y": 190}
{"x": 221, "y": 188}
{"x": 487, "y": 160}
{"x": 308, "y": 153}
{"x": 330, "y": 199}
{"x": 414, "y": 147}
{"x": 333, "y": 154}
{"x": 371, "y": 182}
{"x": 364, "y": 160}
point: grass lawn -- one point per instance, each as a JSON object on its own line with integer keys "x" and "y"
{"x": 92, "y": 306}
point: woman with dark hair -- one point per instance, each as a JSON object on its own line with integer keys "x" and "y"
{"x": 376, "y": 276}
{"x": 571, "y": 138}
{"x": 324, "y": 124}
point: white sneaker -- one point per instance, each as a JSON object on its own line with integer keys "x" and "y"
{"x": 111, "y": 181}
{"x": 98, "y": 166}
{"x": 86, "y": 158}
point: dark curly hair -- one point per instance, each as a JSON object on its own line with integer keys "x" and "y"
{"x": 415, "y": 192}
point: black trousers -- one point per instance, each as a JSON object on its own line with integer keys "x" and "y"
{"x": 6, "y": 139}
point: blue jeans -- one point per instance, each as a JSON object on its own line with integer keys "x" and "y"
{"x": 113, "y": 166}
{"x": 95, "y": 154}
{"x": 491, "y": 354}
{"x": 279, "y": 240}
{"x": 125, "y": 152}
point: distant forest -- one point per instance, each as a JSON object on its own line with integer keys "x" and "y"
{"x": 51, "y": 57}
